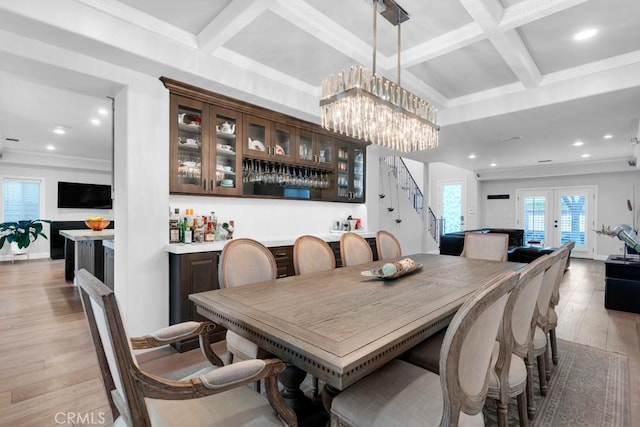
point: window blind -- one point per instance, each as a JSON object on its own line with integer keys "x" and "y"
{"x": 20, "y": 199}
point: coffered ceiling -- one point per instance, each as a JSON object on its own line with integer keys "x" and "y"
{"x": 512, "y": 85}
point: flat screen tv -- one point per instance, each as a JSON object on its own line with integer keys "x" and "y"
{"x": 78, "y": 195}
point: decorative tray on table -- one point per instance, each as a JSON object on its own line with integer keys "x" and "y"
{"x": 393, "y": 270}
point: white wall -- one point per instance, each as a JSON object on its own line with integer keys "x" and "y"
{"x": 613, "y": 190}
{"x": 13, "y": 166}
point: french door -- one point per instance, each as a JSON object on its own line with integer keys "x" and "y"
{"x": 553, "y": 216}
{"x": 451, "y": 205}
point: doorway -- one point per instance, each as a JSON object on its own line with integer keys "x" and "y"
{"x": 451, "y": 205}
{"x": 554, "y": 216}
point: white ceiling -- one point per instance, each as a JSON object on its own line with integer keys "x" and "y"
{"x": 511, "y": 85}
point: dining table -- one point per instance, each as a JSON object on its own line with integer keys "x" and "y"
{"x": 340, "y": 325}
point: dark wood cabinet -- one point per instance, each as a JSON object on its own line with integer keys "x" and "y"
{"x": 189, "y": 274}
{"x": 91, "y": 257}
{"x": 108, "y": 267}
{"x": 284, "y": 260}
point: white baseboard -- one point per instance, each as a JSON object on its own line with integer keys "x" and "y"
{"x": 39, "y": 255}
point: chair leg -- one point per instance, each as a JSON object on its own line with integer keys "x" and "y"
{"x": 522, "y": 409}
{"x": 554, "y": 345}
{"x": 542, "y": 374}
{"x": 503, "y": 413}
{"x": 314, "y": 387}
{"x": 547, "y": 363}
{"x": 531, "y": 407}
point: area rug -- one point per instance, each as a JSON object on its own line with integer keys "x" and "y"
{"x": 588, "y": 387}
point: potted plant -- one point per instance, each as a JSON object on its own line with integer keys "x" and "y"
{"x": 22, "y": 233}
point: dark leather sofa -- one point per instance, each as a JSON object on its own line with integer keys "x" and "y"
{"x": 452, "y": 244}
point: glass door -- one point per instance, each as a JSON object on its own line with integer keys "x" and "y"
{"x": 451, "y": 205}
{"x": 189, "y": 166}
{"x": 228, "y": 153}
{"x": 257, "y": 137}
{"x": 282, "y": 148}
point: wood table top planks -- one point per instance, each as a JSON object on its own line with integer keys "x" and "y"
{"x": 339, "y": 325}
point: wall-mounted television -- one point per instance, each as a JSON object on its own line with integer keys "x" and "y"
{"x": 78, "y": 195}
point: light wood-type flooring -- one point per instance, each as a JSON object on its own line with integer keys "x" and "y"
{"x": 49, "y": 374}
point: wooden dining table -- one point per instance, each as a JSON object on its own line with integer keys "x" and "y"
{"x": 340, "y": 325}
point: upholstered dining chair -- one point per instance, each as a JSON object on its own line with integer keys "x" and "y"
{"x": 354, "y": 250}
{"x": 242, "y": 262}
{"x": 387, "y": 245}
{"x": 540, "y": 343}
{"x": 489, "y": 246}
{"x": 552, "y": 316}
{"x": 400, "y": 393}
{"x": 511, "y": 364}
{"x": 312, "y": 254}
{"x": 218, "y": 397}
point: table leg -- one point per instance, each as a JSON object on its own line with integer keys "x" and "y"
{"x": 291, "y": 379}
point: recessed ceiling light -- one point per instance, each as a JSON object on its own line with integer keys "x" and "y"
{"x": 586, "y": 155}
{"x": 578, "y": 144}
{"x": 95, "y": 122}
{"x": 103, "y": 111}
{"x": 59, "y": 130}
{"x": 608, "y": 136}
{"x": 585, "y": 34}
{"x": 493, "y": 165}
{"x": 50, "y": 147}
{"x": 472, "y": 156}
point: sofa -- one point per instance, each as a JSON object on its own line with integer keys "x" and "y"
{"x": 452, "y": 244}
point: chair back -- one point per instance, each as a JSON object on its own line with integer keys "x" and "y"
{"x": 387, "y": 245}
{"x": 489, "y": 246}
{"x": 246, "y": 261}
{"x": 354, "y": 250}
{"x": 113, "y": 349}
{"x": 311, "y": 254}
{"x": 467, "y": 346}
{"x": 555, "y": 295}
{"x": 548, "y": 284}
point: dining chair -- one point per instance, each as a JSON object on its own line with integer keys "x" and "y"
{"x": 511, "y": 366}
{"x": 540, "y": 343}
{"x": 552, "y": 316}
{"x": 400, "y": 393}
{"x": 387, "y": 245}
{"x": 354, "y": 250}
{"x": 242, "y": 262}
{"x": 218, "y": 397}
{"x": 312, "y": 254}
{"x": 489, "y": 246}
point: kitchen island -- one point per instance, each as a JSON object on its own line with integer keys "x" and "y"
{"x": 88, "y": 251}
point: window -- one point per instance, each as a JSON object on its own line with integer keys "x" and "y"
{"x": 20, "y": 199}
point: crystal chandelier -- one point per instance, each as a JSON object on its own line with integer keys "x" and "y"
{"x": 362, "y": 105}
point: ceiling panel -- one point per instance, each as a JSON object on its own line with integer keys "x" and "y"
{"x": 550, "y": 39}
{"x": 189, "y": 15}
{"x": 474, "y": 68}
{"x": 428, "y": 19}
{"x": 277, "y": 43}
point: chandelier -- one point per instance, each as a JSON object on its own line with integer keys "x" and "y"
{"x": 362, "y": 105}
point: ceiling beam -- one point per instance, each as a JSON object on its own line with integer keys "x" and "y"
{"x": 531, "y": 10}
{"x": 229, "y": 22}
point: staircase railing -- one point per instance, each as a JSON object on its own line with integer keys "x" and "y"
{"x": 406, "y": 182}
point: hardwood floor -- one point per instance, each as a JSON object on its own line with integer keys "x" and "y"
{"x": 49, "y": 374}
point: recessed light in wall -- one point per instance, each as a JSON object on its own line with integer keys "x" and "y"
{"x": 586, "y": 155}
{"x": 585, "y": 34}
{"x": 608, "y": 136}
{"x": 472, "y": 156}
{"x": 50, "y": 147}
{"x": 103, "y": 111}
{"x": 578, "y": 144}
{"x": 59, "y": 130}
{"x": 493, "y": 165}
{"x": 95, "y": 122}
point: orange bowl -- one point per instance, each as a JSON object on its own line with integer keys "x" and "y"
{"x": 97, "y": 225}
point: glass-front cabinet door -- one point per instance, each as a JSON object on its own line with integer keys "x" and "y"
{"x": 226, "y": 177}
{"x": 306, "y": 147}
{"x": 189, "y": 166}
{"x": 325, "y": 152}
{"x": 350, "y": 172}
{"x": 257, "y": 137}
{"x": 282, "y": 148}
